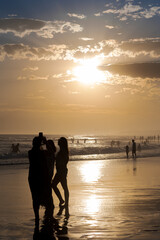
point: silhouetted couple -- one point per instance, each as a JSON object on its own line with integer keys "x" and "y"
{"x": 133, "y": 149}
{"x": 41, "y": 169}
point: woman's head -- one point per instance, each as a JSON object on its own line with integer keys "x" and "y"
{"x": 63, "y": 144}
{"x": 50, "y": 145}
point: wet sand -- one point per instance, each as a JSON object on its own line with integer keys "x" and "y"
{"x": 110, "y": 199}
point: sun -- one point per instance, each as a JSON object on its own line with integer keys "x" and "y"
{"x": 88, "y": 73}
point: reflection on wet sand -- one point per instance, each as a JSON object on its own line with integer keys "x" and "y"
{"x": 92, "y": 204}
{"x": 51, "y": 228}
{"x": 91, "y": 171}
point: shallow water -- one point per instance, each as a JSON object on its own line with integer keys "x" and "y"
{"x": 114, "y": 199}
{"x": 80, "y": 147}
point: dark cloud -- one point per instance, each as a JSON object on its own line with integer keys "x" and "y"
{"x": 143, "y": 70}
{"x": 45, "y": 29}
{"x": 146, "y": 45}
{"x": 21, "y": 51}
{"x": 11, "y": 49}
{"x": 21, "y": 25}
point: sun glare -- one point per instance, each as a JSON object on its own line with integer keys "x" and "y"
{"x": 88, "y": 72}
{"x": 91, "y": 171}
{"x": 92, "y": 204}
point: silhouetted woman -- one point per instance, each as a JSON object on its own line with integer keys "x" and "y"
{"x": 62, "y": 159}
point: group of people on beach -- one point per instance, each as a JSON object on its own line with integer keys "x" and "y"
{"x": 42, "y": 158}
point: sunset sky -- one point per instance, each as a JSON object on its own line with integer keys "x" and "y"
{"x": 80, "y": 67}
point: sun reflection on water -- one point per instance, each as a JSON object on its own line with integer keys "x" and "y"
{"x": 91, "y": 171}
{"x": 92, "y": 204}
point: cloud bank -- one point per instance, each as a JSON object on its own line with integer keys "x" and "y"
{"x": 133, "y": 11}
{"x": 45, "y": 29}
{"x": 142, "y": 70}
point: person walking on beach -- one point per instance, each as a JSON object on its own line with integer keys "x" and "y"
{"x": 39, "y": 180}
{"x": 62, "y": 159}
{"x": 133, "y": 148}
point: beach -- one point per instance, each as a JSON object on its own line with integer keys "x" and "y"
{"x": 109, "y": 199}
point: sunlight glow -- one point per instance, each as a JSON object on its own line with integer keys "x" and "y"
{"x": 92, "y": 204}
{"x": 91, "y": 171}
{"x": 88, "y": 72}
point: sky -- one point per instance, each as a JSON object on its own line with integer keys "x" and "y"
{"x": 80, "y": 67}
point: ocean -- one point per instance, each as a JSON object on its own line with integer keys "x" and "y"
{"x": 81, "y": 147}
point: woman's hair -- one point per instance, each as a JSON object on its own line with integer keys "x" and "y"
{"x": 50, "y": 145}
{"x": 63, "y": 144}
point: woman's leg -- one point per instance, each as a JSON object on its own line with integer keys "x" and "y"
{"x": 66, "y": 194}
{"x": 55, "y": 182}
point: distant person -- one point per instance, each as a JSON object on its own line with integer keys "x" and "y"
{"x": 139, "y": 147}
{"x": 62, "y": 159}
{"x": 15, "y": 148}
{"x": 39, "y": 180}
{"x": 12, "y": 148}
{"x": 112, "y": 143}
{"x": 133, "y": 148}
{"x": 127, "y": 151}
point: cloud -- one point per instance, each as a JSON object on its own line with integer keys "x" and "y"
{"x": 126, "y": 10}
{"x": 143, "y": 49}
{"x": 133, "y": 11}
{"x": 86, "y": 39}
{"x": 151, "y": 12}
{"x": 30, "y": 69}
{"x": 146, "y": 46}
{"x": 98, "y": 14}
{"x": 46, "y": 29}
{"x": 133, "y": 50}
{"x": 79, "y": 16}
{"x": 109, "y": 26}
{"x": 59, "y": 75}
{"x": 88, "y": 51}
{"x": 142, "y": 70}
{"x": 21, "y": 51}
{"x": 12, "y": 15}
{"x": 33, "y": 78}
